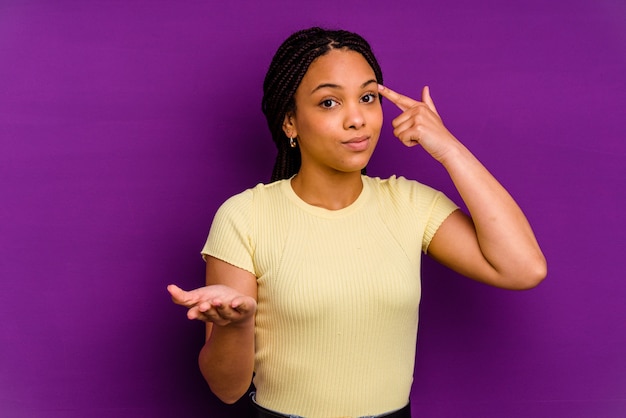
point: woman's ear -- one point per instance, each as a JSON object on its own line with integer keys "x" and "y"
{"x": 289, "y": 127}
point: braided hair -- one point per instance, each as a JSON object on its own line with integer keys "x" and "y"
{"x": 288, "y": 67}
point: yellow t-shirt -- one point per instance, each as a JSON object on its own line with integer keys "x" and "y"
{"x": 338, "y": 292}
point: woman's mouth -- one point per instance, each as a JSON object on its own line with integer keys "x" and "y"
{"x": 360, "y": 143}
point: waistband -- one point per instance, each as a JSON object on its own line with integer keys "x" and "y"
{"x": 259, "y": 412}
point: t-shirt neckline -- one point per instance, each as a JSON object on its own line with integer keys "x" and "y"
{"x": 288, "y": 191}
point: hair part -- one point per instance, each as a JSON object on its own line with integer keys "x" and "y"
{"x": 286, "y": 71}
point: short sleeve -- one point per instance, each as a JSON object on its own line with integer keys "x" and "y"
{"x": 441, "y": 208}
{"x": 230, "y": 236}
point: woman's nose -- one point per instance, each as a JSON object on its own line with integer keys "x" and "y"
{"x": 354, "y": 118}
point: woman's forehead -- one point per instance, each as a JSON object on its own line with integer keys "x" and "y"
{"x": 340, "y": 67}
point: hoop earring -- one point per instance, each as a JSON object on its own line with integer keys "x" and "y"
{"x": 292, "y": 142}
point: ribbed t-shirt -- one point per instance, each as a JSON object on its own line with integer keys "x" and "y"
{"x": 338, "y": 292}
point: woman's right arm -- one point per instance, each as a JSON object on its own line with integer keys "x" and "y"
{"x": 228, "y": 305}
{"x": 227, "y": 358}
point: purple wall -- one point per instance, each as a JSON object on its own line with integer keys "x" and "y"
{"x": 124, "y": 124}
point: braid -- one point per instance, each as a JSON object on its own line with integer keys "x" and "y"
{"x": 286, "y": 71}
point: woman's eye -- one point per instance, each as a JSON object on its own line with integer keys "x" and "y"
{"x": 369, "y": 98}
{"x": 328, "y": 103}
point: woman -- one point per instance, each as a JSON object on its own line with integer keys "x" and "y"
{"x": 313, "y": 280}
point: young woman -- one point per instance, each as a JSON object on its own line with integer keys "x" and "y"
{"x": 313, "y": 280}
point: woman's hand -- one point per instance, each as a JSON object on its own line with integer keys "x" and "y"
{"x": 218, "y": 304}
{"x": 419, "y": 123}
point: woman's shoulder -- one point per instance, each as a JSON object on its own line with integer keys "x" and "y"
{"x": 410, "y": 198}
{"x": 399, "y": 192}
{"x": 397, "y": 184}
{"x": 258, "y": 193}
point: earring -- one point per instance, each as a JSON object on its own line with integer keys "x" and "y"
{"x": 292, "y": 142}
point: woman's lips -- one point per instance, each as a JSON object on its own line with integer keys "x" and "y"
{"x": 357, "y": 144}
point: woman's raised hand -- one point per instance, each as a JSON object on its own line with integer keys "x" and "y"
{"x": 218, "y": 304}
{"x": 419, "y": 123}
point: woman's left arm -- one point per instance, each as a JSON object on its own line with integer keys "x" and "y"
{"x": 496, "y": 245}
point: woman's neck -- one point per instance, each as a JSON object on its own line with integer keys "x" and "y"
{"x": 331, "y": 191}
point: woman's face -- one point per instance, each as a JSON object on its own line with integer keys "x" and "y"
{"x": 338, "y": 114}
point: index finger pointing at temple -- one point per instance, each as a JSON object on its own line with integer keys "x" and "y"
{"x": 403, "y": 102}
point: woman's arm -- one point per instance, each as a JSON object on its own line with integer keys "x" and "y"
{"x": 496, "y": 245}
{"x": 228, "y": 305}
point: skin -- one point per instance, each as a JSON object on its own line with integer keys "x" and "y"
{"x": 337, "y": 122}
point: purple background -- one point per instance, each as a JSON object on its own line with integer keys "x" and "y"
{"x": 124, "y": 124}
